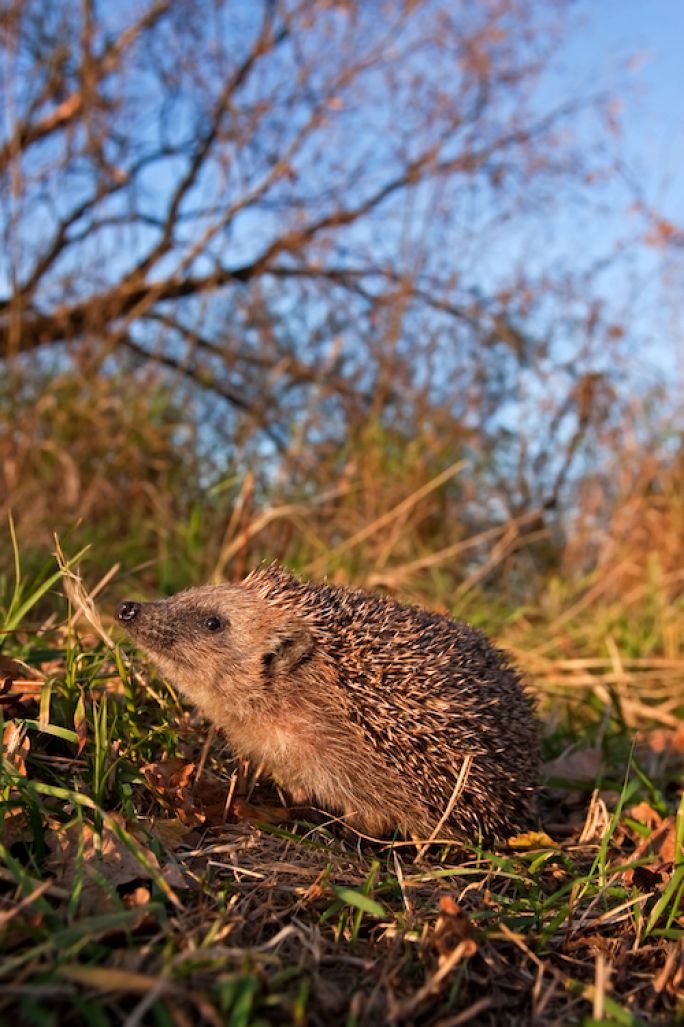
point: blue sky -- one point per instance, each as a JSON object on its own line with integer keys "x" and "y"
{"x": 653, "y": 117}
{"x": 636, "y": 48}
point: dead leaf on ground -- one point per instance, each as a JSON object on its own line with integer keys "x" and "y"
{"x": 664, "y": 740}
{"x": 204, "y": 802}
{"x": 20, "y": 688}
{"x": 15, "y": 828}
{"x": 567, "y": 816}
{"x": 246, "y": 812}
{"x": 103, "y": 861}
{"x": 9, "y": 669}
{"x": 171, "y": 831}
{"x": 453, "y": 929}
{"x": 659, "y": 847}
{"x": 137, "y": 899}
{"x": 645, "y": 814}
{"x": 171, "y": 782}
{"x": 580, "y": 765}
{"x": 16, "y": 746}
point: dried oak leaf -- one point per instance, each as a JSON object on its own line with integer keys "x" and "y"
{"x": 9, "y": 670}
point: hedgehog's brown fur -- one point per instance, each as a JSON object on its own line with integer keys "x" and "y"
{"x": 354, "y": 702}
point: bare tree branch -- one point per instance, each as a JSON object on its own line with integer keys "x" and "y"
{"x": 28, "y": 132}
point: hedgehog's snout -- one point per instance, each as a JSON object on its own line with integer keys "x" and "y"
{"x": 127, "y": 611}
{"x": 149, "y": 623}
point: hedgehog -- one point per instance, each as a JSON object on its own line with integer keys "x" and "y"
{"x": 398, "y": 719}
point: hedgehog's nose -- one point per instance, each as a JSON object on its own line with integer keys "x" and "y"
{"x": 127, "y": 611}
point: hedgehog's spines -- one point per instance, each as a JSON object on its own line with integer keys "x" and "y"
{"x": 405, "y": 698}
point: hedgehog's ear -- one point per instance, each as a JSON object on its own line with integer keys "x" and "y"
{"x": 289, "y": 645}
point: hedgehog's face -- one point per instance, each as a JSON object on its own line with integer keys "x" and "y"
{"x": 218, "y": 643}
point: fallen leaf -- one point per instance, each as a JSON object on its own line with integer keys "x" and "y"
{"x": 665, "y": 740}
{"x": 15, "y": 828}
{"x": 135, "y": 899}
{"x": 453, "y": 929}
{"x": 205, "y": 801}
{"x": 644, "y": 879}
{"x": 20, "y": 687}
{"x": 645, "y": 814}
{"x": 244, "y": 811}
{"x": 98, "y": 862}
{"x": 170, "y": 780}
{"x": 16, "y": 746}
{"x": 659, "y": 846}
{"x": 171, "y": 832}
{"x": 175, "y": 878}
{"x": 9, "y": 670}
{"x": 106, "y": 855}
{"x": 580, "y": 765}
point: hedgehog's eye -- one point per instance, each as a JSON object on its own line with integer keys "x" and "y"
{"x": 213, "y": 623}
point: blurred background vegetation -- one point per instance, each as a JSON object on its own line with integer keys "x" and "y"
{"x": 360, "y": 287}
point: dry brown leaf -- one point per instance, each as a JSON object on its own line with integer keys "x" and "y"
{"x": 168, "y": 774}
{"x": 15, "y": 828}
{"x": 580, "y": 765}
{"x": 246, "y": 812}
{"x": 211, "y": 796}
{"x": 205, "y": 801}
{"x": 645, "y": 814}
{"x": 171, "y": 832}
{"x": 16, "y": 746}
{"x": 644, "y": 879}
{"x": 453, "y": 929}
{"x": 105, "y": 857}
{"x": 20, "y": 688}
{"x": 138, "y": 898}
{"x": 170, "y": 780}
{"x": 10, "y": 670}
{"x": 665, "y": 740}
{"x": 175, "y": 878}
{"x": 659, "y": 845}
